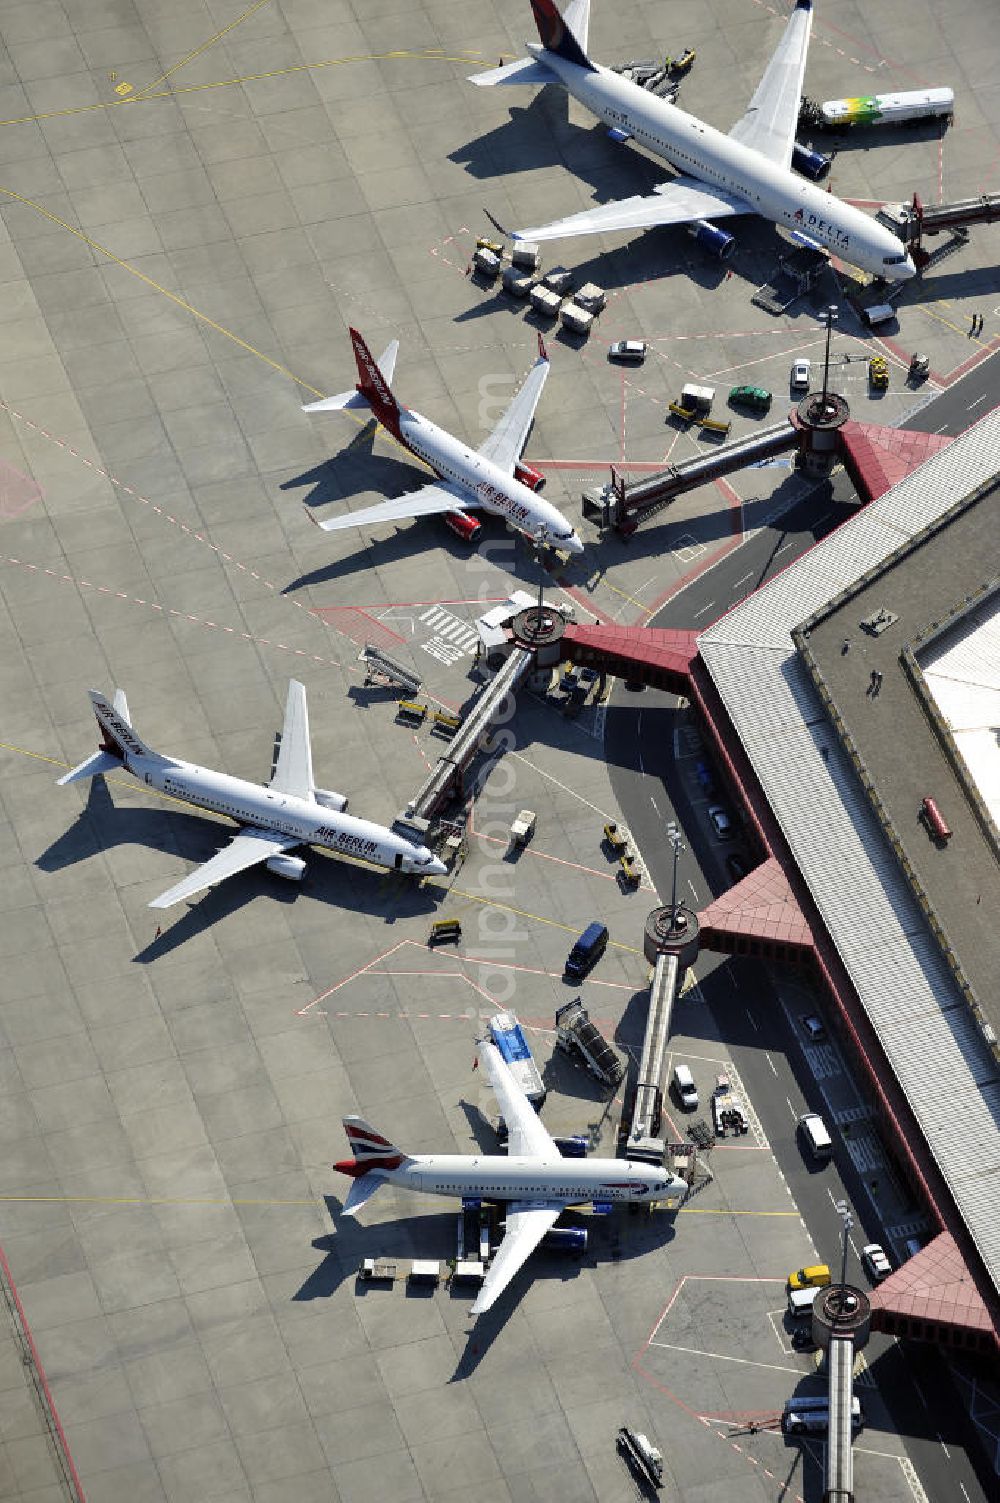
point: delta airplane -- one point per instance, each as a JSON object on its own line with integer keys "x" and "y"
{"x": 491, "y": 477}
{"x": 747, "y": 172}
{"x": 532, "y": 1179}
{"x": 289, "y": 812}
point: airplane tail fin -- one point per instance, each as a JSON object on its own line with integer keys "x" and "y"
{"x": 373, "y": 383}
{"x": 559, "y": 33}
{"x": 372, "y": 1153}
{"x": 357, "y": 396}
{"x": 118, "y": 741}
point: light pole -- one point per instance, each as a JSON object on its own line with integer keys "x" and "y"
{"x": 844, "y": 1212}
{"x": 539, "y": 536}
{"x": 674, "y": 837}
{"x": 831, "y": 318}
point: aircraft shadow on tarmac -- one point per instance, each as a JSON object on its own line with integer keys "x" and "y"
{"x": 355, "y": 469}
{"x": 343, "y": 884}
{"x": 540, "y": 134}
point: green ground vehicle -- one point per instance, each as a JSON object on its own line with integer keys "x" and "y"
{"x": 754, "y": 397}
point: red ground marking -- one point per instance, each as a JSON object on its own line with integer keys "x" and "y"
{"x": 60, "y": 1434}
{"x": 587, "y": 604}
{"x": 18, "y": 493}
{"x": 592, "y": 871}
{"x": 356, "y": 624}
{"x": 680, "y": 1403}
{"x": 168, "y": 610}
{"x": 501, "y": 965}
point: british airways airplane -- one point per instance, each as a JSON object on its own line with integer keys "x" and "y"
{"x": 747, "y": 171}
{"x": 289, "y": 812}
{"x": 533, "y": 1180}
{"x": 489, "y": 478}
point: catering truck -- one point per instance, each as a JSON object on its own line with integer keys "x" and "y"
{"x": 508, "y": 1035}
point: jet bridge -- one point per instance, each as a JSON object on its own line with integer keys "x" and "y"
{"x": 625, "y": 506}
{"x": 445, "y": 778}
{"x": 670, "y": 941}
{"x": 914, "y": 220}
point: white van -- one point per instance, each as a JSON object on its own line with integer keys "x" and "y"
{"x": 687, "y": 1091}
{"x": 800, "y": 1303}
{"x": 878, "y": 313}
{"x": 816, "y": 1136}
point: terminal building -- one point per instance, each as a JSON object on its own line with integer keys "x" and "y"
{"x": 854, "y": 703}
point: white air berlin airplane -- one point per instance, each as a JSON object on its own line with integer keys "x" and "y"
{"x": 289, "y": 812}
{"x": 532, "y": 1179}
{"x": 491, "y": 477}
{"x": 747, "y": 171}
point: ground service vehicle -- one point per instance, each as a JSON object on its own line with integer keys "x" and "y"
{"x": 576, "y": 319}
{"x": 875, "y": 1262}
{"x": 632, "y": 351}
{"x": 889, "y": 109}
{"x": 878, "y": 372}
{"x": 920, "y": 367}
{"x": 816, "y": 1276}
{"x": 687, "y": 1091}
{"x": 697, "y": 398}
{"x": 683, "y": 63}
{"x": 800, "y": 375}
{"x": 801, "y": 1301}
{"x": 508, "y": 1035}
{"x": 816, "y": 1136}
{"x": 757, "y": 398}
{"x": 727, "y": 1110}
{"x": 642, "y": 1454}
{"x": 574, "y": 1030}
{"x": 587, "y": 951}
{"x": 878, "y": 313}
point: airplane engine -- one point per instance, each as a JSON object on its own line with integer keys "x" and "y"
{"x": 292, "y": 868}
{"x": 569, "y": 1239}
{"x": 717, "y": 242}
{"x": 811, "y": 164}
{"x": 330, "y": 800}
{"x": 529, "y": 476}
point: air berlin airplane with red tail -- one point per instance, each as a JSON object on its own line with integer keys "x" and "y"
{"x": 491, "y": 478}
{"x": 533, "y": 1180}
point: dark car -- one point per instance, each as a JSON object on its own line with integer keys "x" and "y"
{"x": 757, "y": 398}
{"x": 587, "y": 951}
{"x": 633, "y": 350}
{"x": 705, "y": 776}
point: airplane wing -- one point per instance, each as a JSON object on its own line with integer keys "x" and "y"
{"x": 527, "y": 1223}
{"x": 680, "y": 201}
{"x": 527, "y": 1135}
{"x": 430, "y": 499}
{"x": 773, "y": 113}
{"x": 294, "y": 772}
{"x": 247, "y": 848}
{"x": 506, "y": 443}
